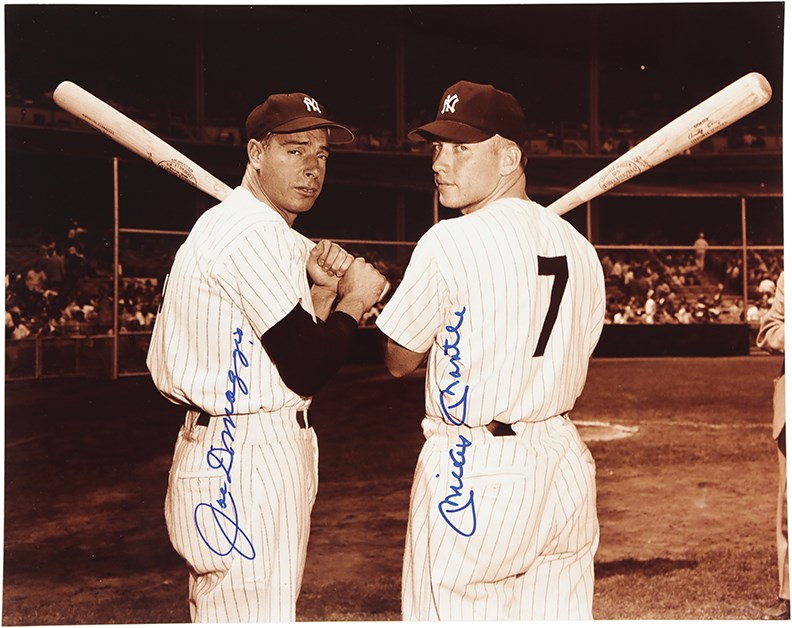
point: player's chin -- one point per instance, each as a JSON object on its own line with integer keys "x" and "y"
{"x": 448, "y": 198}
{"x": 303, "y": 199}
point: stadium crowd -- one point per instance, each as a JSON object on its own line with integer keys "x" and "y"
{"x": 62, "y": 294}
{"x": 65, "y": 293}
{"x": 649, "y": 288}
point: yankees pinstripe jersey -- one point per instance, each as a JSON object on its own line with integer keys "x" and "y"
{"x": 241, "y": 267}
{"x": 242, "y": 485}
{"x": 509, "y": 301}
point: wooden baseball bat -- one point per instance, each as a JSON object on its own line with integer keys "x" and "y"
{"x": 137, "y": 138}
{"x": 733, "y": 102}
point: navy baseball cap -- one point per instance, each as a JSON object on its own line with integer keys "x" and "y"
{"x": 474, "y": 112}
{"x": 291, "y": 113}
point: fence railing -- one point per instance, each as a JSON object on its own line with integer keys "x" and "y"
{"x": 75, "y": 356}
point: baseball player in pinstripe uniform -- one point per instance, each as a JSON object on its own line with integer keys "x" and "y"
{"x": 770, "y": 337}
{"x": 506, "y": 303}
{"x": 244, "y": 337}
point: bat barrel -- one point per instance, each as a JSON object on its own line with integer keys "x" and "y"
{"x": 723, "y": 108}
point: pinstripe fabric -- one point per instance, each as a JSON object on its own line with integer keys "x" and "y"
{"x": 240, "y": 267}
{"x": 487, "y": 262}
{"x": 531, "y": 556}
{"x": 240, "y": 491}
{"x": 476, "y": 295}
{"x": 273, "y": 482}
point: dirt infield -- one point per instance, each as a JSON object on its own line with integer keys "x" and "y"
{"x": 686, "y": 495}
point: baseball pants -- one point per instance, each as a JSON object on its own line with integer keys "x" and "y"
{"x": 525, "y": 548}
{"x": 243, "y": 526}
{"x": 782, "y": 535}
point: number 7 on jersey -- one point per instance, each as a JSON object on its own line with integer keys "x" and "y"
{"x": 558, "y": 269}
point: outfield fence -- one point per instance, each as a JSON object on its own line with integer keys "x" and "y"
{"x": 39, "y": 358}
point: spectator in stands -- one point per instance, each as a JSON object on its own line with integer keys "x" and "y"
{"x": 9, "y": 324}
{"x": 766, "y": 288}
{"x": 36, "y": 278}
{"x": 77, "y": 235}
{"x": 650, "y": 307}
{"x": 87, "y": 307}
{"x": 616, "y": 271}
{"x": 733, "y": 272}
{"x": 104, "y": 311}
{"x": 150, "y": 314}
{"x": 700, "y": 245}
{"x": 631, "y": 311}
{"x": 52, "y": 324}
{"x": 71, "y": 308}
{"x": 607, "y": 265}
{"x": 683, "y": 315}
{"x": 662, "y": 288}
{"x": 612, "y": 307}
{"x": 28, "y": 300}
{"x": 128, "y": 319}
{"x": 628, "y": 276}
{"x": 669, "y": 307}
{"x": 753, "y": 314}
{"x": 137, "y": 314}
{"x": 54, "y": 267}
{"x": 700, "y": 310}
{"x": 74, "y": 323}
{"x": 75, "y": 266}
{"x": 735, "y": 311}
{"x": 21, "y": 330}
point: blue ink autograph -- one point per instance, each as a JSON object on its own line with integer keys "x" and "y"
{"x": 452, "y": 349}
{"x": 450, "y": 505}
{"x": 224, "y": 510}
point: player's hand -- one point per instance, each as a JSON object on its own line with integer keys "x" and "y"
{"x": 327, "y": 263}
{"x": 362, "y": 283}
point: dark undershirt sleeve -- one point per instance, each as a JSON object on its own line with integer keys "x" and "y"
{"x": 307, "y": 353}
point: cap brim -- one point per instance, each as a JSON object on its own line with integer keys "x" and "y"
{"x": 449, "y": 131}
{"x": 338, "y": 133}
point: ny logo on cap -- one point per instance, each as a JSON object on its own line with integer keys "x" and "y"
{"x": 311, "y": 104}
{"x": 450, "y": 104}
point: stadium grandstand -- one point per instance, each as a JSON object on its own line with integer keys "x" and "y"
{"x": 691, "y": 250}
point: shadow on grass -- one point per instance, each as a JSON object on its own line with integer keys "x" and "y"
{"x": 650, "y": 567}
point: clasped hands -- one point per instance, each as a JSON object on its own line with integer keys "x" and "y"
{"x": 331, "y": 268}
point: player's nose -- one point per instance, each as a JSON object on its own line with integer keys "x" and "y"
{"x": 312, "y": 167}
{"x": 439, "y": 161}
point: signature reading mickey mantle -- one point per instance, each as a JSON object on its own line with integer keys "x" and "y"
{"x": 460, "y": 517}
{"x": 452, "y": 349}
{"x": 223, "y": 511}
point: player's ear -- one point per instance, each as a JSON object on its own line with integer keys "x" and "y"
{"x": 511, "y": 158}
{"x": 255, "y": 151}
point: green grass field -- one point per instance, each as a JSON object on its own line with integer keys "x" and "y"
{"x": 686, "y": 499}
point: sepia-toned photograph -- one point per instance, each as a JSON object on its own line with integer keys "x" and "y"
{"x": 394, "y": 313}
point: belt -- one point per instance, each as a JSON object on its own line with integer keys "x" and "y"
{"x": 302, "y": 419}
{"x": 497, "y": 428}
